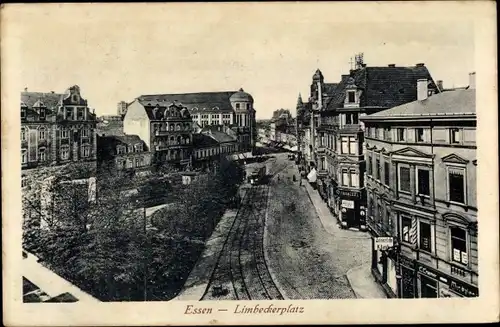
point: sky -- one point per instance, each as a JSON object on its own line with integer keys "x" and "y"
{"x": 118, "y": 52}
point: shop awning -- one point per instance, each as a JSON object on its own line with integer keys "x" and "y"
{"x": 311, "y": 177}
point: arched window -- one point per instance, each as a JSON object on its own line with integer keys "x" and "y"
{"x": 23, "y": 134}
{"x": 179, "y": 140}
{"x": 178, "y": 127}
{"x": 172, "y": 139}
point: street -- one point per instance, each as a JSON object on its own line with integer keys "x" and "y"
{"x": 277, "y": 247}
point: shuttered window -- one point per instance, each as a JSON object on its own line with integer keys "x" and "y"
{"x": 404, "y": 179}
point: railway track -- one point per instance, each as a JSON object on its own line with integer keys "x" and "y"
{"x": 241, "y": 266}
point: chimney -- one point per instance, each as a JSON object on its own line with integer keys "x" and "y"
{"x": 25, "y": 89}
{"x": 421, "y": 64}
{"x": 422, "y": 92}
{"x": 472, "y": 80}
{"x": 439, "y": 84}
{"x": 392, "y": 65}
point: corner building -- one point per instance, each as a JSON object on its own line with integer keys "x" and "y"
{"x": 332, "y": 138}
{"x": 421, "y": 190}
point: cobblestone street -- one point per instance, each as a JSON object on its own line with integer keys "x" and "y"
{"x": 306, "y": 260}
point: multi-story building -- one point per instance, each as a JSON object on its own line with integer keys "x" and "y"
{"x": 165, "y": 127}
{"x": 58, "y": 140}
{"x": 122, "y": 154}
{"x": 336, "y": 138}
{"x": 232, "y": 110}
{"x": 421, "y": 189}
{"x": 210, "y": 145}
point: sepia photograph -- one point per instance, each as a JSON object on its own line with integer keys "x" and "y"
{"x": 245, "y": 162}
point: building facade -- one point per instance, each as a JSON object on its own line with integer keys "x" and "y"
{"x": 421, "y": 192}
{"x": 58, "y": 141}
{"x": 165, "y": 127}
{"x": 332, "y": 141}
{"x": 123, "y": 154}
{"x": 210, "y": 145}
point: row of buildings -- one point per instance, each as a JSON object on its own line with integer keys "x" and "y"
{"x": 394, "y": 153}
{"x": 60, "y": 137}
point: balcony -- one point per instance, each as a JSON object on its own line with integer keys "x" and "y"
{"x": 162, "y": 133}
{"x": 322, "y": 173}
{"x": 350, "y": 128}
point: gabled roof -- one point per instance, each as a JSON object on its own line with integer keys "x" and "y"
{"x": 50, "y": 100}
{"x": 193, "y": 101}
{"x": 458, "y": 102}
{"x": 383, "y": 87}
{"x": 221, "y": 137}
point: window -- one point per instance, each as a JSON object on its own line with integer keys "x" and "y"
{"x": 369, "y": 165}
{"x": 354, "y": 179}
{"x": 24, "y": 156}
{"x": 23, "y": 113}
{"x": 401, "y": 134}
{"x": 120, "y": 149}
{"x": 130, "y": 164}
{"x": 69, "y": 113}
{"x": 387, "y": 133}
{"x": 237, "y": 106}
{"x": 23, "y": 134}
{"x": 41, "y": 155}
{"x": 404, "y": 179}
{"x": 386, "y": 173}
{"x": 137, "y": 162}
{"x": 351, "y": 96}
{"x": 345, "y": 145}
{"x": 378, "y": 174}
{"x": 24, "y": 181}
{"x": 405, "y": 229}
{"x": 138, "y": 147}
{"x": 42, "y": 133}
{"x": 425, "y": 236}
{"x": 459, "y": 245}
{"x": 423, "y": 187}
{"x": 419, "y": 134}
{"x": 80, "y": 114}
{"x": 86, "y": 151}
{"x": 456, "y": 184}
{"x": 65, "y": 153}
{"x": 454, "y": 135}
{"x": 64, "y": 133}
{"x": 352, "y": 145}
{"x": 345, "y": 178}
{"x": 42, "y": 114}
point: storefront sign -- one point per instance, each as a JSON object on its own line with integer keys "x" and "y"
{"x": 456, "y": 286}
{"x": 348, "y": 204}
{"x": 382, "y": 243}
{"x": 463, "y": 289}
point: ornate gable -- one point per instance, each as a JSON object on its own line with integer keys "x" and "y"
{"x": 454, "y": 158}
{"x": 410, "y": 152}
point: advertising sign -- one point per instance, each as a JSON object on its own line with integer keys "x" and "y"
{"x": 383, "y": 243}
{"x": 348, "y": 204}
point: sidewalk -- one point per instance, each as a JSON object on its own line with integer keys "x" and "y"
{"x": 197, "y": 282}
{"x": 328, "y": 221}
{"x": 360, "y": 278}
{"x": 363, "y": 283}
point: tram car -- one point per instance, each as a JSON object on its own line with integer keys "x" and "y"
{"x": 257, "y": 175}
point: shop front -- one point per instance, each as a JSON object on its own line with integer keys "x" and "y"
{"x": 421, "y": 281}
{"x": 352, "y": 208}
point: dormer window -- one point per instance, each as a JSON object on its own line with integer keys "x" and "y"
{"x": 80, "y": 113}
{"x": 23, "y": 113}
{"x": 69, "y": 113}
{"x": 237, "y": 106}
{"x": 120, "y": 149}
{"x": 42, "y": 113}
{"x": 351, "y": 96}
{"x": 138, "y": 147}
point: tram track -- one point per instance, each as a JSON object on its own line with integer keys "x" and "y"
{"x": 241, "y": 264}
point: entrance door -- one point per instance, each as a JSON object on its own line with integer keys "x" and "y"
{"x": 428, "y": 287}
{"x": 407, "y": 283}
